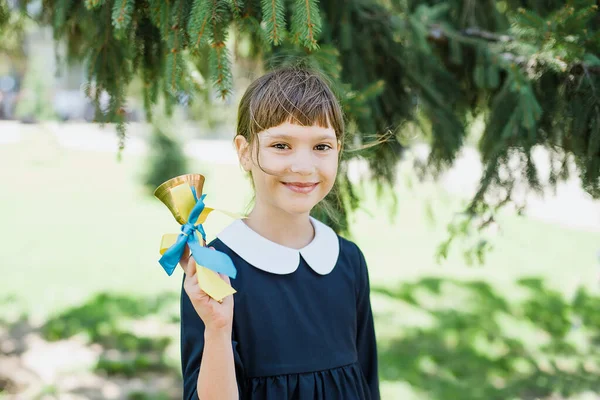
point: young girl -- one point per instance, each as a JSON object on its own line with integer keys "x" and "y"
{"x": 303, "y": 327}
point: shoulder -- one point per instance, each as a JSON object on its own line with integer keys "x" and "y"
{"x": 350, "y": 251}
{"x": 353, "y": 257}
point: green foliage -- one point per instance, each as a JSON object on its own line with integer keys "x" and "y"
{"x": 4, "y": 14}
{"x": 199, "y": 24}
{"x": 147, "y": 396}
{"x": 479, "y": 344}
{"x": 273, "y": 13}
{"x": 91, "y": 4}
{"x": 306, "y": 23}
{"x": 130, "y": 366}
{"x": 103, "y": 319}
{"x": 99, "y": 318}
{"x": 121, "y": 16}
{"x": 237, "y": 7}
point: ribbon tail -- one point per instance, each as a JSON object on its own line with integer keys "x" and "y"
{"x": 212, "y": 284}
{"x": 214, "y": 260}
{"x": 197, "y": 210}
{"x": 228, "y": 213}
{"x": 171, "y": 257}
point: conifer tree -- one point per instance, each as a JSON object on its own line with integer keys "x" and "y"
{"x": 529, "y": 68}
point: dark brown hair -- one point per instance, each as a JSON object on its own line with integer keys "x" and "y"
{"x": 292, "y": 94}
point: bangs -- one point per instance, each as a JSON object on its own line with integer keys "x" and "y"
{"x": 295, "y": 96}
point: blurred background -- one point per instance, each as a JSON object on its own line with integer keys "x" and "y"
{"x": 478, "y": 214}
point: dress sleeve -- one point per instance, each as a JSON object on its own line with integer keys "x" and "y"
{"x": 192, "y": 345}
{"x": 366, "y": 343}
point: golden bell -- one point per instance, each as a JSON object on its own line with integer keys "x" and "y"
{"x": 165, "y": 194}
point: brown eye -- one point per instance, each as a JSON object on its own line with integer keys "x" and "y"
{"x": 280, "y": 146}
{"x": 322, "y": 147}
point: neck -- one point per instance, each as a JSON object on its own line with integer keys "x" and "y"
{"x": 289, "y": 230}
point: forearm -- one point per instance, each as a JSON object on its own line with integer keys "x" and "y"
{"x": 216, "y": 379}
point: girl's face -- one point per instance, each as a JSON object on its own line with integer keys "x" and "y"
{"x": 301, "y": 165}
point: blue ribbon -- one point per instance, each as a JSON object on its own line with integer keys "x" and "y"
{"x": 214, "y": 260}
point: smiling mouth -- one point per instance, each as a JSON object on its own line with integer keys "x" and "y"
{"x": 301, "y": 187}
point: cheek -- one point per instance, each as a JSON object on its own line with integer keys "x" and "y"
{"x": 329, "y": 168}
{"x": 271, "y": 162}
{"x": 264, "y": 180}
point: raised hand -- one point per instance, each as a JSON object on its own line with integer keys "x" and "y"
{"x": 216, "y": 316}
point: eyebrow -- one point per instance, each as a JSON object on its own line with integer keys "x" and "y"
{"x": 290, "y": 137}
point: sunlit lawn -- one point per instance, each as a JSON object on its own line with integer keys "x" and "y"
{"x": 75, "y": 223}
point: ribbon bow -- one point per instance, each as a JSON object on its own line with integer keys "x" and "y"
{"x": 209, "y": 262}
{"x": 213, "y": 260}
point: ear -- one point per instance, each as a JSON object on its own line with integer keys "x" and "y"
{"x": 243, "y": 150}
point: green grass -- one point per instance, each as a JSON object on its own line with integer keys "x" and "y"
{"x": 74, "y": 224}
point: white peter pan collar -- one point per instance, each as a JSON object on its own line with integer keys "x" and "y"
{"x": 321, "y": 254}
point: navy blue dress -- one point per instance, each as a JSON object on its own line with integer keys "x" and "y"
{"x": 300, "y": 335}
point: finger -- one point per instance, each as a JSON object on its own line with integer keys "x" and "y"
{"x": 195, "y": 288}
{"x": 212, "y": 248}
{"x": 189, "y": 285}
{"x": 196, "y": 294}
{"x": 190, "y": 266}
{"x": 184, "y": 257}
{"x": 183, "y": 264}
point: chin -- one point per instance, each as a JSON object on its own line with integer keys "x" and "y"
{"x": 298, "y": 208}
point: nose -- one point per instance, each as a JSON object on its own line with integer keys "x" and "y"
{"x": 303, "y": 164}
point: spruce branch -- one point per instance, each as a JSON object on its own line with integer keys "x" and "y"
{"x": 236, "y": 7}
{"x": 438, "y": 35}
{"x": 92, "y": 4}
{"x": 306, "y": 23}
{"x": 274, "y": 18}
{"x": 122, "y": 12}
{"x": 219, "y": 58}
{"x": 175, "y": 63}
{"x": 198, "y": 24}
